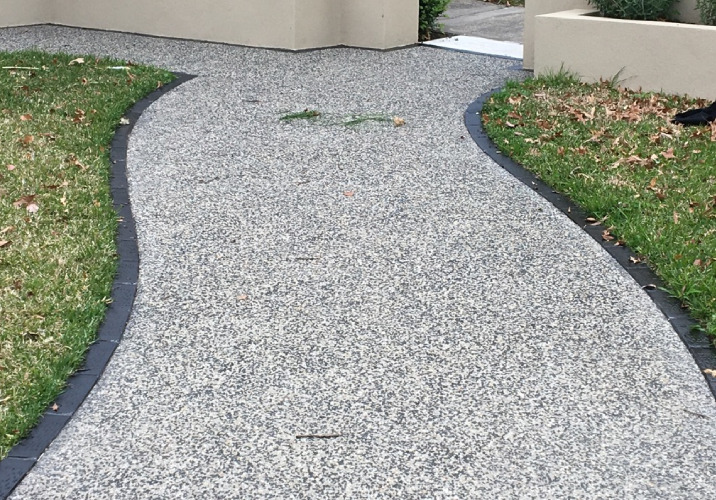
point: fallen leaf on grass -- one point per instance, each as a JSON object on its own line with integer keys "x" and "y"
{"x": 607, "y": 235}
{"x": 668, "y": 154}
{"x": 676, "y": 218}
{"x": 25, "y": 118}
{"x": 32, "y": 208}
{"x": 78, "y": 116}
{"x": 515, "y": 99}
{"x": 4, "y": 243}
{"x": 11, "y": 167}
{"x": 27, "y": 140}
{"x": 25, "y": 200}
{"x": 79, "y": 60}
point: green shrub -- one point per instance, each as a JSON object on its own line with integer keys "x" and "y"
{"x": 430, "y": 10}
{"x": 648, "y": 10}
{"x": 707, "y": 9}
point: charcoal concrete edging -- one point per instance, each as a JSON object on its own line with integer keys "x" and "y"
{"x": 24, "y": 455}
{"x": 696, "y": 341}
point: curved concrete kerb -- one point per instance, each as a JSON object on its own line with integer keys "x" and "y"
{"x": 698, "y": 343}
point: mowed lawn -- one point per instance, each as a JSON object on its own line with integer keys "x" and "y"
{"x": 615, "y": 152}
{"x": 58, "y": 113}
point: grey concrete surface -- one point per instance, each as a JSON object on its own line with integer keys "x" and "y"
{"x": 457, "y": 333}
{"x": 484, "y": 19}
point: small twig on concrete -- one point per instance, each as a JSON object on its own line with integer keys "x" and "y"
{"x": 318, "y": 436}
{"x": 700, "y": 415}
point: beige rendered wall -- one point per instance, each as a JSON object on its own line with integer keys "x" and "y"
{"x": 380, "y": 24}
{"x": 653, "y": 56}
{"x": 266, "y": 23}
{"x": 318, "y": 23}
{"x": 535, "y": 8}
{"x": 20, "y": 12}
{"x": 686, "y": 10}
{"x": 288, "y": 24}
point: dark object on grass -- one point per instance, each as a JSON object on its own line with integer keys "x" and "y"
{"x": 700, "y": 116}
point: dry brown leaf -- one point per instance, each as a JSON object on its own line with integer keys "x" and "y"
{"x": 676, "y": 217}
{"x": 349, "y": 193}
{"x": 79, "y": 60}
{"x": 11, "y": 167}
{"x": 25, "y": 200}
{"x": 243, "y": 296}
{"x": 26, "y": 117}
{"x": 516, "y": 99}
{"x": 668, "y": 154}
{"x": 32, "y": 208}
{"x": 398, "y": 121}
{"x": 4, "y": 243}
{"x": 78, "y": 116}
{"x": 55, "y": 407}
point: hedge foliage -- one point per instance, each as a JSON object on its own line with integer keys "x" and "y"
{"x": 430, "y": 10}
{"x": 647, "y": 10}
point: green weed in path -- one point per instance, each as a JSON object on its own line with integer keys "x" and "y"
{"x": 57, "y": 225}
{"x": 306, "y": 114}
{"x": 616, "y": 153}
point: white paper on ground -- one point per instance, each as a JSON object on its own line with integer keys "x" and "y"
{"x": 479, "y": 45}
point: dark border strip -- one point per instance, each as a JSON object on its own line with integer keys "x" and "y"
{"x": 697, "y": 342}
{"x": 24, "y": 455}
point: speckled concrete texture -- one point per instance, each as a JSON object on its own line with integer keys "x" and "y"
{"x": 442, "y": 332}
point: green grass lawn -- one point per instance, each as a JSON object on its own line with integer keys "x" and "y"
{"x": 615, "y": 152}
{"x": 57, "y": 225}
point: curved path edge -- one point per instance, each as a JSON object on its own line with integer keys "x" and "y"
{"x": 697, "y": 342}
{"x": 24, "y": 455}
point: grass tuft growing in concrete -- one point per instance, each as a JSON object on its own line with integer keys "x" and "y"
{"x": 306, "y": 114}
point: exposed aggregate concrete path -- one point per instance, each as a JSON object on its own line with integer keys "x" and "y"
{"x": 439, "y": 329}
